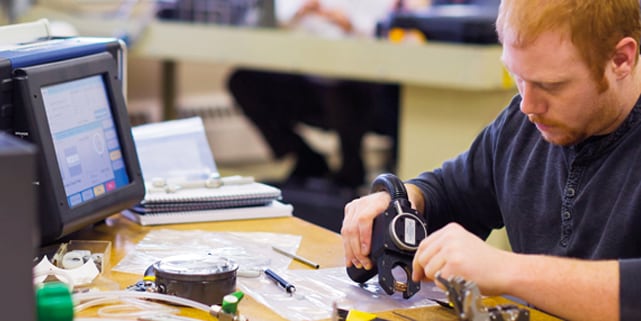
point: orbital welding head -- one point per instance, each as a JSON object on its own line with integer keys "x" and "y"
{"x": 396, "y": 234}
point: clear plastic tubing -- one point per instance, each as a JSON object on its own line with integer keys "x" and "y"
{"x": 105, "y": 296}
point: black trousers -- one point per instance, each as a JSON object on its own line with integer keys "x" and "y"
{"x": 276, "y": 102}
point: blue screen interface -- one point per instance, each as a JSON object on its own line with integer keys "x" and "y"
{"x": 85, "y": 140}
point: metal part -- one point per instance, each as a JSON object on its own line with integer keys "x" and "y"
{"x": 148, "y": 284}
{"x": 203, "y": 278}
{"x": 465, "y": 299}
{"x": 228, "y": 309}
{"x": 400, "y": 286}
{"x": 218, "y": 313}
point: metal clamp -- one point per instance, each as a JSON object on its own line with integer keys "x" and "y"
{"x": 465, "y": 299}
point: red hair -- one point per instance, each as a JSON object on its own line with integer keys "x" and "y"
{"x": 594, "y": 26}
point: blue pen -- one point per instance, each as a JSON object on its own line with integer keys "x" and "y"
{"x": 290, "y": 288}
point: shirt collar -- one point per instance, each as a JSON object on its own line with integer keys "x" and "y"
{"x": 596, "y": 146}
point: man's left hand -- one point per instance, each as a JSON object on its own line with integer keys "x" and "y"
{"x": 453, "y": 251}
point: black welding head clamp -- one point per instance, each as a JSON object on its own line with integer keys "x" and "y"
{"x": 396, "y": 234}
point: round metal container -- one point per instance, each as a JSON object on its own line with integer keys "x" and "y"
{"x": 203, "y": 278}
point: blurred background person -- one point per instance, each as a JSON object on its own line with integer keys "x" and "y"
{"x": 278, "y": 102}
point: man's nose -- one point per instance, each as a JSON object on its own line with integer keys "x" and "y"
{"x": 531, "y": 101}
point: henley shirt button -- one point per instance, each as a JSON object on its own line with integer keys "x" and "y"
{"x": 569, "y": 192}
{"x": 566, "y": 215}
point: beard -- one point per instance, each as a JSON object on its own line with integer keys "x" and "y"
{"x": 602, "y": 116}
{"x": 557, "y": 133}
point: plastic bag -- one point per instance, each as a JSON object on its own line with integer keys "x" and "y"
{"x": 247, "y": 249}
{"x": 317, "y": 290}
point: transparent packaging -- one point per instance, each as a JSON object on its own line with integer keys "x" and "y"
{"x": 250, "y": 250}
{"x": 316, "y": 290}
{"x": 194, "y": 264}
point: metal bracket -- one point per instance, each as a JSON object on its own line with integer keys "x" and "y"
{"x": 465, "y": 298}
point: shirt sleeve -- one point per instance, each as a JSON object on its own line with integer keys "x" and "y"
{"x": 462, "y": 190}
{"x": 630, "y": 289}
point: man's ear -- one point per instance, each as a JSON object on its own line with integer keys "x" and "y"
{"x": 624, "y": 58}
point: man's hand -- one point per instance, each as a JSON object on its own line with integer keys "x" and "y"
{"x": 357, "y": 227}
{"x": 333, "y": 15}
{"x": 456, "y": 252}
{"x": 310, "y": 6}
{"x": 359, "y": 219}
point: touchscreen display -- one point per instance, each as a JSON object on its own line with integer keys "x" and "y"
{"x": 84, "y": 138}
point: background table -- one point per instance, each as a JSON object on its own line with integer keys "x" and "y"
{"x": 449, "y": 91}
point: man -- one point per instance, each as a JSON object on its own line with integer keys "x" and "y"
{"x": 558, "y": 168}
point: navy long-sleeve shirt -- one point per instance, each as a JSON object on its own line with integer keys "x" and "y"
{"x": 581, "y": 201}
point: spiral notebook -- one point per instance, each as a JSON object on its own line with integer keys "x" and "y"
{"x": 192, "y": 199}
{"x": 176, "y": 155}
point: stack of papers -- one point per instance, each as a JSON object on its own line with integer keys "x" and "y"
{"x": 273, "y": 209}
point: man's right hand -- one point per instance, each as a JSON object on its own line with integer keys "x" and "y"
{"x": 359, "y": 219}
{"x": 357, "y": 227}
